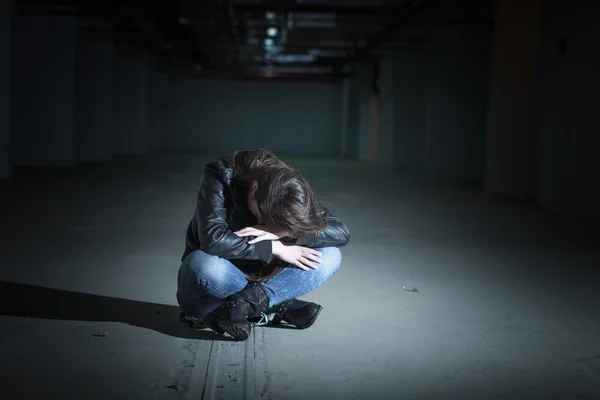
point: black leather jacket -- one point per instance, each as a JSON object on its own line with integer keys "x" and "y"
{"x": 221, "y": 209}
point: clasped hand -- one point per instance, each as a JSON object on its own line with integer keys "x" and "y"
{"x": 299, "y": 256}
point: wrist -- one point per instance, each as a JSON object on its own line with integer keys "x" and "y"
{"x": 277, "y": 247}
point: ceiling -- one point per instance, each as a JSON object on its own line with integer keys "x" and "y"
{"x": 263, "y": 37}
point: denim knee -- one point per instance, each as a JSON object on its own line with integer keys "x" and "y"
{"x": 212, "y": 273}
{"x": 206, "y": 267}
{"x": 332, "y": 259}
{"x": 293, "y": 282}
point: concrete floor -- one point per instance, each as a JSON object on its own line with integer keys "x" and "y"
{"x": 506, "y": 307}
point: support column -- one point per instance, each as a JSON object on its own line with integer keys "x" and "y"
{"x": 356, "y": 128}
{"x": 410, "y": 82}
{"x": 94, "y": 91}
{"x": 386, "y": 110}
{"x": 152, "y": 118}
{"x": 457, "y": 93}
{"x": 372, "y": 126}
{"x": 155, "y": 84}
{"x": 514, "y": 99}
{"x": 162, "y": 123}
{"x": 345, "y": 116}
{"x": 357, "y": 113}
{"x": 130, "y": 85}
{"x": 365, "y": 93}
{"x": 5, "y": 77}
{"x": 43, "y": 95}
{"x": 141, "y": 140}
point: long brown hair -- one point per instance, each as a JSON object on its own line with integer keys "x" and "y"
{"x": 284, "y": 197}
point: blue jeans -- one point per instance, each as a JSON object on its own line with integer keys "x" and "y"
{"x": 205, "y": 280}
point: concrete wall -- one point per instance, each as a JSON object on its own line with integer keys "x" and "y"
{"x": 74, "y": 98}
{"x": 568, "y": 164}
{"x": 218, "y": 116}
{"x": 457, "y": 94}
{"x": 433, "y": 104}
{"x": 5, "y": 77}
{"x": 43, "y": 95}
{"x": 94, "y": 94}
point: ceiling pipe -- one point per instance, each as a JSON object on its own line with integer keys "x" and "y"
{"x": 294, "y": 6}
{"x": 273, "y": 74}
{"x": 233, "y": 24}
{"x": 366, "y": 53}
{"x": 410, "y": 8}
{"x": 274, "y": 77}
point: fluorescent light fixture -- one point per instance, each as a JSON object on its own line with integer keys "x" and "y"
{"x": 314, "y": 23}
{"x": 270, "y": 15}
{"x": 294, "y": 58}
{"x": 314, "y": 15}
{"x": 328, "y": 53}
{"x": 268, "y": 42}
{"x": 272, "y": 31}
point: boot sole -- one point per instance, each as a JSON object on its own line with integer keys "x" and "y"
{"x": 213, "y": 324}
{"x": 237, "y": 331}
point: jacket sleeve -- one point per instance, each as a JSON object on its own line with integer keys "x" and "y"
{"x": 334, "y": 234}
{"x": 215, "y": 236}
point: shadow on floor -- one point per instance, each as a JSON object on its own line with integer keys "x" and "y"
{"x": 28, "y": 301}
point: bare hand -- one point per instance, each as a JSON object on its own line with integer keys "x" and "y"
{"x": 260, "y": 233}
{"x": 299, "y": 256}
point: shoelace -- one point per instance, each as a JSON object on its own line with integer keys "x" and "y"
{"x": 264, "y": 320}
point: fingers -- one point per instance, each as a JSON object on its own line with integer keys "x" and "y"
{"x": 314, "y": 258}
{"x": 259, "y": 235}
{"x": 257, "y": 239}
{"x": 308, "y": 259}
{"x": 315, "y": 252}
{"x": 305, "y": 261}
{"x": 301, "y": 266}
{"x": 312, "y": 255}
{"x": 247, "y": 232}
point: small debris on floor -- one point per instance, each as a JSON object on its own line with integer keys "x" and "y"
{"x": 174, "y": 386}
{"x": 415, "y": 290}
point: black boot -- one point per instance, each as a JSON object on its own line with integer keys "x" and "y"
{"x": 232, "y": 317}
{"x": 301, "y": 314}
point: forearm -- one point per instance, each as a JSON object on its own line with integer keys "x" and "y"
{"x": 335, "y": 234}
{"x": 228, "y": 245}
